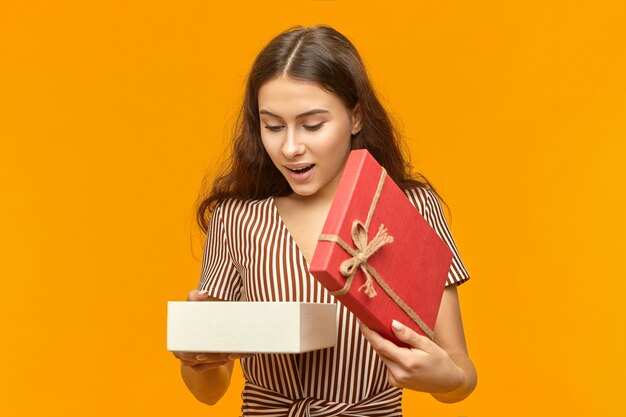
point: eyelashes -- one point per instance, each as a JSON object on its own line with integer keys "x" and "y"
{"x": 309, "y": 128}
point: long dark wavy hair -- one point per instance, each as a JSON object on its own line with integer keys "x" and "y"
{"x": 322, "y": 55}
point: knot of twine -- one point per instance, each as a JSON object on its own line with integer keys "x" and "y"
{"x": 364, "y": 250}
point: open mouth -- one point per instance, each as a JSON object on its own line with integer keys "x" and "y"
{"x": 301, "y": 170}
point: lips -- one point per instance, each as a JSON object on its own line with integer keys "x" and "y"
{"x": 301, "y": 169}
{"x": 300, "y": 172}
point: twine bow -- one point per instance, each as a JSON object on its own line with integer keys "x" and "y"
{"x": 362, "y": 252}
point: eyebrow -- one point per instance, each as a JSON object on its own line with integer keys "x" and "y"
{"x": 306, "y": 113}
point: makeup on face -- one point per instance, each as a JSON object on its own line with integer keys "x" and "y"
{"x": 306, "y": 132}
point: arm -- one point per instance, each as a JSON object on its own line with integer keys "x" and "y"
{"x": 440, "y": 366}
{"x": 206, "y": 375}
{"x": 449, "y": 335}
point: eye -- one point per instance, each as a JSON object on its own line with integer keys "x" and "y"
{"x": 313, "y": 128}
{"x": 309, "y": 128}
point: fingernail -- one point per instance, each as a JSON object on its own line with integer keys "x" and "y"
{"x": 201, "y": 357}
{"x": 203, "y": 292}
{"x": 397, "y": 326}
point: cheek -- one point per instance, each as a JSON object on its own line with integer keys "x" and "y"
{"x": 272, "y": 148}
{"x": 335, "y": 143}
{"x": 267, "y": 144}
{"x": 337, "y": 137}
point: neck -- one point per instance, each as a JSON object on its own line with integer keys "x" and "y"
{"x": 314, "y": 201}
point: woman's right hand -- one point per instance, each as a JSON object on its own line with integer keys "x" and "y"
{"x": 202, "y": 361}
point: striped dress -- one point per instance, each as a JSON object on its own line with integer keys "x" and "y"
{"x": 249, "y": 255}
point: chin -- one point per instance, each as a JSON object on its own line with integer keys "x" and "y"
{"x": 304, "y": 191}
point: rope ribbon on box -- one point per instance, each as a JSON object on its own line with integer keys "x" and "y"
{"x": 361, "y": 254}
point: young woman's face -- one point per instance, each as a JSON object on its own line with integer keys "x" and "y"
{"x": 306, "y": 132}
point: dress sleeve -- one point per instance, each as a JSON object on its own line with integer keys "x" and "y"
{"x": 219, "y": 276}
{"x": 429, "y": 206}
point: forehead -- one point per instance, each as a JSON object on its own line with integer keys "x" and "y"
{"x": 288, "y": 97}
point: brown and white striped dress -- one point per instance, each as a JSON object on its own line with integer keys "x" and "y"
{"x": 249, "y": 255}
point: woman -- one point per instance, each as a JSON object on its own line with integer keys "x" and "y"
{"x": 308, "y": 103}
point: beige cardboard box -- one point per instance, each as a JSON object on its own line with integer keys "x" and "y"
{"x": 250, "y": 327}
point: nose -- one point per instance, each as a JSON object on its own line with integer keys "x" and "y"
{"x": 292, "y": 146}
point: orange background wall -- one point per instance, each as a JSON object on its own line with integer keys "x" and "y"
{"x": 112, "y": 111}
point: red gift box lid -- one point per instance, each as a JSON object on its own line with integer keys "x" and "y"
{"x": 408, "y": 273}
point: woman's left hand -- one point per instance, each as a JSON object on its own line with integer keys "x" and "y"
{"x": 423, "y": 367}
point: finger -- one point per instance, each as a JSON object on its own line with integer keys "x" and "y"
{"x": 369, "y": 334}
{"x": 389, "y": 362}
{"x": 202, "y": 356}
{"x": 396, "y": 371}
{"x": 212, "y": 357}
{"x": 381, "y": 345}
{"x": 195, "y": 295}
{"x": 187, "y": 356}
{"x": 234, "y": 356}
{"x": 410, "y": 337}
{"x": 217, "y": 361}
{"x": 205, "y": 366}
{"x": 392, "y": 379}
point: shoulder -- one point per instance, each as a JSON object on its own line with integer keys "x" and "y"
{"x": 231, "y": 211}
{"x": 422, "y": 198}
{"x": 229, "y": 204}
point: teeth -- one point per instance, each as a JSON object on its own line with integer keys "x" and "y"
{"x": 301, "y": 169}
